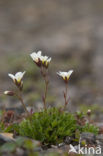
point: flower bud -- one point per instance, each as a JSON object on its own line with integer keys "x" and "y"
{"x": 89, "y": 112}
{"x": 9, "y": 93}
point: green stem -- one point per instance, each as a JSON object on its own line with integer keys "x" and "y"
{"x": 44, "y": 74}
{"x": 22, "y": 102}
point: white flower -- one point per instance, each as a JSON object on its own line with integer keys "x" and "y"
{"x": 36, "y": 56}
{"x": 45, "y": 60}
{"x": 17, "y": 78}
{"x": 40, "y": 60}
{"x": 65, "y": 75}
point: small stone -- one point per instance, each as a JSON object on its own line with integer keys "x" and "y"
{"x": 53, "y": 146}
{"x": 61, "y": 144}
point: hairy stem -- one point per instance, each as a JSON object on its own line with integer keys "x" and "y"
{"x": 22, "y": 102}
{"x": 45, "y": 95}
{"x": 65, "y": 96}
{"x": 45, "y": 74}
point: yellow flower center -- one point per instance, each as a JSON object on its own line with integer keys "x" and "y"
{"x": 19, "y": 80}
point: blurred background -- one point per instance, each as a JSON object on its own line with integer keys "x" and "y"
{"x": 69, "y": 31}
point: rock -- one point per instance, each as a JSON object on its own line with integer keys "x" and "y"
{"x": 6, "y": 137}
{"x": 61, "y": 144}
{"x": 54, "y": 146}
{"x": 89, "y": 138}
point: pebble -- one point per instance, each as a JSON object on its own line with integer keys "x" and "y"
{"x": 61, "y": 144}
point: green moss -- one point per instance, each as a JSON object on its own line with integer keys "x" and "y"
{"x": 49, "y": 127}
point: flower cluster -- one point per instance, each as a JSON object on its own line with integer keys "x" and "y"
{"x": 40, "y": 60}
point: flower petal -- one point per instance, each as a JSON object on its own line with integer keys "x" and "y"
{"x": 49, "y": 59}
{"x": 65, "y": 75}
{"x": 19, "y": 75}
{"x": 11, "y": 76}
{"x": 69, "y": 73}
{"x": 33, "y": 56}
{"x": 39, "y": 53}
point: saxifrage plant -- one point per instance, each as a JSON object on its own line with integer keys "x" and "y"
{"x": 50, "y": 126}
